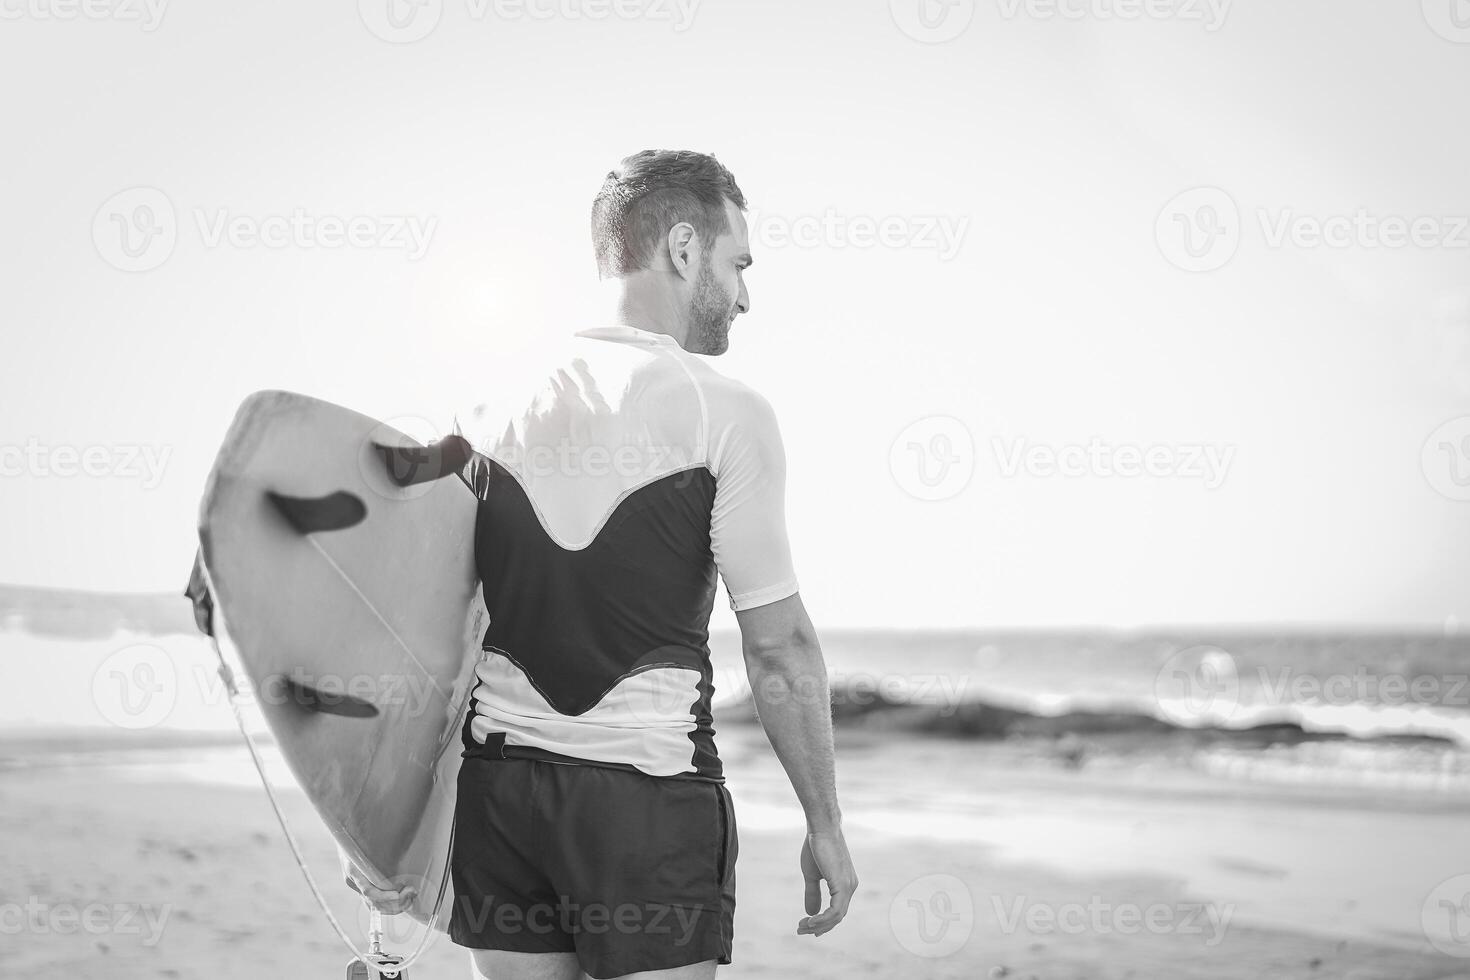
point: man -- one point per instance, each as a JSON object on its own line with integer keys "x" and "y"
{"x": 593, "y": 832}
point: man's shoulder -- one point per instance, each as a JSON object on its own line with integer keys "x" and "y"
{"x": 729, "y": 399}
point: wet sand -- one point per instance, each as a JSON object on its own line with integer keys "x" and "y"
{"x": 975, "y": 862}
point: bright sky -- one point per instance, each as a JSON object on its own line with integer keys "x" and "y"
{"x": 1028, "y": 286}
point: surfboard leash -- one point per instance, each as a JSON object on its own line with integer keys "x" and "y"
{"x": 236, "y": 698}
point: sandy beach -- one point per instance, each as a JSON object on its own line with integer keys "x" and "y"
{"x": 974, "y": 863}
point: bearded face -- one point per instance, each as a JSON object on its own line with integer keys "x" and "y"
{"x": 711, "y": 311}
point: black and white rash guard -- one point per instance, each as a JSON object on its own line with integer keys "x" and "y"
{"x": 606, "y": 509}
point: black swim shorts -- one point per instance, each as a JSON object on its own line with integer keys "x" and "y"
{"x": 631, "y": 872}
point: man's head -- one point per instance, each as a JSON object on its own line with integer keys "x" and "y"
{"x": 668, "y": 225}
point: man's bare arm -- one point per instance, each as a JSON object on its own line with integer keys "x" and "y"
{"x": 788, "y": 680}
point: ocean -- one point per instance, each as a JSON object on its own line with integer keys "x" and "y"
{"x": 1332, "y": 707}
{"x": 1385, "y": 709}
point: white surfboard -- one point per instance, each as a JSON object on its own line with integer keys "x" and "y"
{"x": 337, "y": 565}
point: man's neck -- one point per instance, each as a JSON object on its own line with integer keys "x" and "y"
{"x": 645, "y": 309}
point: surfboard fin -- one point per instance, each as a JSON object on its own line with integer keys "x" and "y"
{"x": 411, "y": 465}
{"x": 333, "y": 512}
{"x": 343, "y": 705}
{"x": 197, "y": 592}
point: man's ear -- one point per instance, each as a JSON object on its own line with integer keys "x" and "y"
{"x": 683, "y": 245}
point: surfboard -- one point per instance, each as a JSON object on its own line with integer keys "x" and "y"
{"x": 336, "y": 567}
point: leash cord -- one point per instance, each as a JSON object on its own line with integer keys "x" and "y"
{"x": 236, "y": 698}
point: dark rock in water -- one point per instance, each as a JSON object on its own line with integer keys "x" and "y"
{"x": 868, "y": 709}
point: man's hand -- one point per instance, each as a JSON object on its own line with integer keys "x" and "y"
{"x": 389, "y": 902}
{"x": 824, "y": 857}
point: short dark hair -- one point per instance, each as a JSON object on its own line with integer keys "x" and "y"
{"x": 648, "y": 194}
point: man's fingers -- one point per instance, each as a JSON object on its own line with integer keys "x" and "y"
{"x": 813, "y": 894}
{"x": 827, "y": 920}
{"x": 841, "y": 898}
{"x": 833, "y": 867}
{"x": 391, "y": 902}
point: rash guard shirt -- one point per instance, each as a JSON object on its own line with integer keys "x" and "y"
{"x": 606, "y": 509}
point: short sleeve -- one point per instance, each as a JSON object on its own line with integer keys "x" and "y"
{"x": 748, "y": 523}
